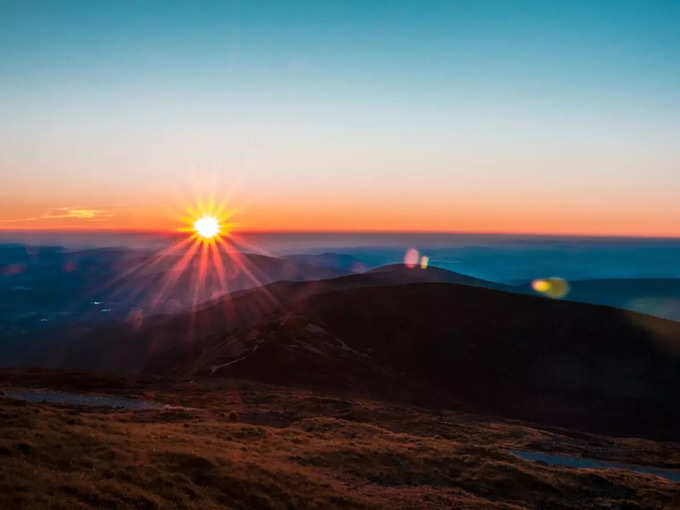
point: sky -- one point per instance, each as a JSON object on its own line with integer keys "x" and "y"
{"x": 469, "y": 116}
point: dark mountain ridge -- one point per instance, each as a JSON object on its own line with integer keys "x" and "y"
{"x": 560, "y": 362}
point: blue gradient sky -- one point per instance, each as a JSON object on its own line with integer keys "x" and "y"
{"x": 555, "y": 117}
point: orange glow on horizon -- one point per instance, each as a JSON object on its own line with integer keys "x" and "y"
{"x": 279, "y": 215}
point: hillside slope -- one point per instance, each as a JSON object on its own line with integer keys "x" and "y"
{"x": 565, "y": 363}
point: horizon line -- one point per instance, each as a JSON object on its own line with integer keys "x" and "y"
{"x": 166, "y": 232}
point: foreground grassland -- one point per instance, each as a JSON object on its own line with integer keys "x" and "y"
{"x": 245, "y": 445}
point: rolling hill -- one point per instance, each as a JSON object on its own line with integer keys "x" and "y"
{"x": 439, "y": 344}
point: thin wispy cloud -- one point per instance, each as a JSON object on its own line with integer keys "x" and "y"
{"x": 66, "y": 213}
{"x": 19, "y": 220}
{"x": 76, "y": 213}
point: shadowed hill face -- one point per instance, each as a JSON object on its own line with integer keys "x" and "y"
{"x": 565, "y": 363}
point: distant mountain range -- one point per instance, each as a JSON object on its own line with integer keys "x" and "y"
{"x": 48, "y": 279}
{"x": 336, "y": 261}
{"x": 45, "y": 291}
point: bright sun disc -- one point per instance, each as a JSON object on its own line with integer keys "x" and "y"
{"x": 207, "y": 227}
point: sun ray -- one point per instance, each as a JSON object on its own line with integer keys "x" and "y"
{"x": 126, "y": 283}
{"x": 175, "y": 273}
{"x": 216, "y": 258}
{"x": 200, "y": 278}
{"x": 209, "y": 257}
{"x": 242, "y": 264}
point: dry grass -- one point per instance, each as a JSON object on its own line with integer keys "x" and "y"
{"x": 252, "y": 446}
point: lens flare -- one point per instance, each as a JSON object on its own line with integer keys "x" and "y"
{"x": 411, "y": 257}
{"x": 553, "y": 287}
{"x": 540, "y": 285}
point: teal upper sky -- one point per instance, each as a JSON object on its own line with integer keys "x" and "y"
{"x": 498, "y": 96}
{"x": 525, "y": 52}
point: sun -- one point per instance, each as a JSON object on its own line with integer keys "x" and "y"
{"x": 208, "y": 223}
{"x": 207, "y": 226}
